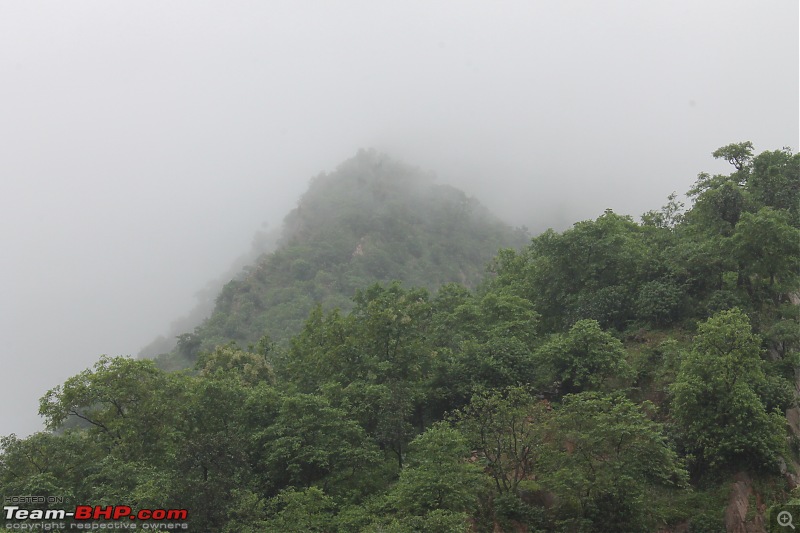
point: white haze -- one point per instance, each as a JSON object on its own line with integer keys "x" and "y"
{"x": 143, "y": 143}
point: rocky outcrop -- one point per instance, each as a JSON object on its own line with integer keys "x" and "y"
{"x": 746, "y": 509}
{"x": 792, "y": 470}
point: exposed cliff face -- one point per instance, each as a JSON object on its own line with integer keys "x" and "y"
{"x": 746, "y": 510}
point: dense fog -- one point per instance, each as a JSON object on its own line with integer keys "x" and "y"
{"x": 143, "y": 144}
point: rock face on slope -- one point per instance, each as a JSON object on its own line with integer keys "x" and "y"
{"x": 746, "y": 509}
{"x": 371, "y": 220}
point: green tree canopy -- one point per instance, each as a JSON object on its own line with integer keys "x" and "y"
{"x": 723, "y": 420}
{"x": 585, "y": 358}
{"x": 606, "y": 457}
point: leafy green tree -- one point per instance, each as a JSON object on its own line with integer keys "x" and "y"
{"x": 500, "y": 314}
{"x": 699, "y": 263}
{"x": 498, "y": 332}
{"x": 659, "y": 302}
{"x": 737, "y": 154}
{"x": 447, "y": 327}
{"x": 212, "y": 458}
{"x": 121, "y": 399}
{"x": 723, "y": 420}
{"x": 321, "y": 352}
{"x": 587, "y": 272}
{"x": 784, "y": 335}
{"x": 48, "y": 464}
{"x": 774, "y": 181}
{"x": 248, "y": 514}
{"x": 188, "y": 346}
{"x": 437, "y": 492}
{"x": 311, "y": 442}
{"x": 585, "y": 358}
{"x": 719, "y": 202}
{"x": 767, "y": 249}
{"x": 668, "y": 217}
{"x": 438, "y": 475}
{"x": 605, "y": 459}
{"x": 507, "y": 428}
{"x": 377, "y": 362}
{"x": 739, "y": 234}
{"x": 392, "y": 322}
{"x": 306, "y": 510}
{"x": 140, "y": 484}
{"x": 496, "y": 362}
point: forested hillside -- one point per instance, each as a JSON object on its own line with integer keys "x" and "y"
{"x": 373, "y": 219}
{"x": 620, "y": 376}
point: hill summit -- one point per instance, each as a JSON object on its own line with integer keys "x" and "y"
{"x": 373, "y": 219}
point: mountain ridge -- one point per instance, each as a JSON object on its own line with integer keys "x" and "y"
{"x": 372, "y": 219}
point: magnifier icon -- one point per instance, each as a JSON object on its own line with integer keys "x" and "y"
{"x": 785, "y": 519}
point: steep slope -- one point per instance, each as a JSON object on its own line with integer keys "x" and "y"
{"x": 373, "y": 219}
{"x": 264, "y": 241}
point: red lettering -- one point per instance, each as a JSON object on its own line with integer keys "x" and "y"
{"x": 177, "y": 514}
{"x": 106, "y": 513}
{"x": 117, "y": 512}
{"x": 120, "y": 511}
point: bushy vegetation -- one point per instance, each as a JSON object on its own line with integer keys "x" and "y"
{"x": 608, "y": 378}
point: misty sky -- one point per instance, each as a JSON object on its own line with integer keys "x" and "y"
{"x": 143, "y": 143}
